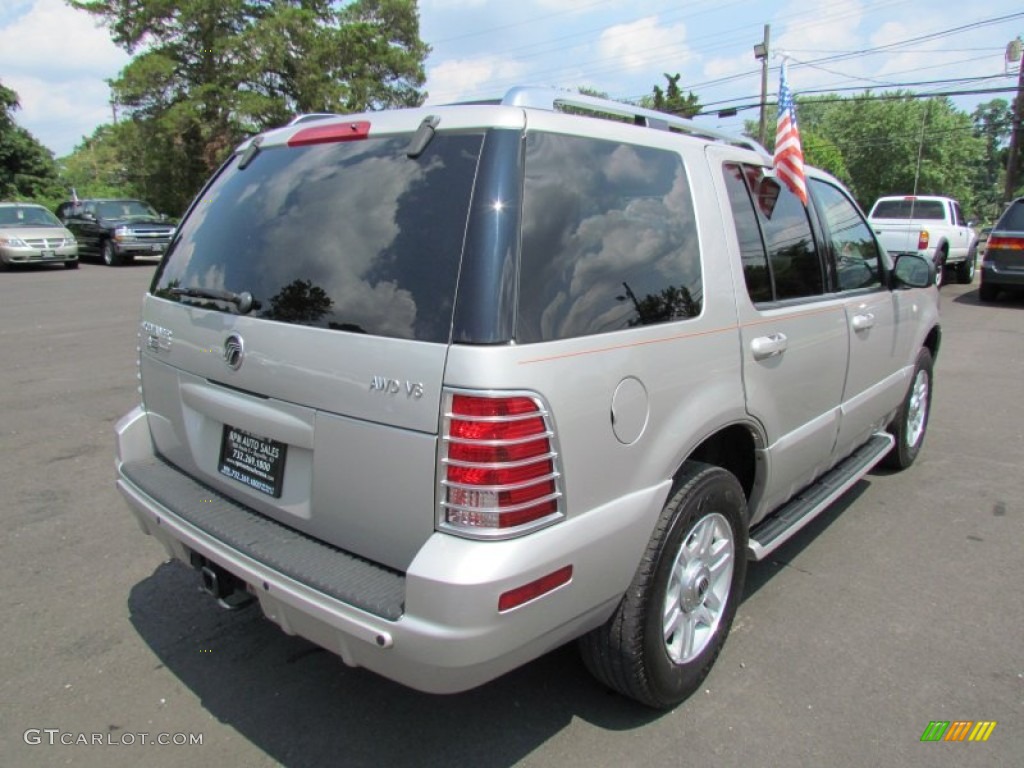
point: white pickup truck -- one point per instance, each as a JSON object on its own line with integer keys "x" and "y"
{"x": 929, "y": 226}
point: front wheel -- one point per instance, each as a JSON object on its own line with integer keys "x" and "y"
{"x": 665, "y": 635}
{"x": 71, "y": 264}
{"x": 110, "y": 256}
{"x": 911, "y": 421}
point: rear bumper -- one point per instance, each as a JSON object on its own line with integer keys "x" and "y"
{"x": 993, "y": 274}
{"x": 437, "y": 627}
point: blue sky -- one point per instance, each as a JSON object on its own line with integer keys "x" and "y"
{"x": 58, "y": 60}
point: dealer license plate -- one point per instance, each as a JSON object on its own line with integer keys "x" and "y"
{"x": 253, "y": 460}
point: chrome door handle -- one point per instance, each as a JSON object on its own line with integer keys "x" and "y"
{"x": 769, "y": 346}
{"x": 863, "y": 322}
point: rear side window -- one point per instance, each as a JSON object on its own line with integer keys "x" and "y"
{"x": 1012, "y": 218}
{"x": 909, "y": 209}
{"x": 794, "y": 265}
{"x": 350, "y": 236}
{"x": 609, "y": 239}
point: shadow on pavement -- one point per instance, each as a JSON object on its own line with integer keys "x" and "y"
{"x": 302, "y": 706}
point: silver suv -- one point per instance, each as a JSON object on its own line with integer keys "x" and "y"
{"x": 446, "y": 388}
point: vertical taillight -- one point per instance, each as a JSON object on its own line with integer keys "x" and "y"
{"x": 922, "y": 239}
{"x": 499, "y": 474}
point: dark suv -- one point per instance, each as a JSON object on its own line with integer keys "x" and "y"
{"x": 116, "y": 230}
{"x": 1003, "y": 264}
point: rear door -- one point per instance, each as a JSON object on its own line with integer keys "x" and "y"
{"x": 794, "y": 343}
{"x": 295, "y": 336}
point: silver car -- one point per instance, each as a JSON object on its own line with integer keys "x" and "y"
{"x": 443, "y": 389}
{"x": 30, "y": 234}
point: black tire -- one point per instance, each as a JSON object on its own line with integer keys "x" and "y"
{"x": 965, "y": 269}
{"x": 987, "y": 292}
{"x": 908, "y": 431}
{"x": 940, "y": 267}
{"x": 109, "y": 255}
{"x": 630, "y": 652}
{"x": 71, "y": 264}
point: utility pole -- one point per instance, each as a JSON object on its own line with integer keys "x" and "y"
{"x": 761, "y": 51}
{"x": 1013, "y": 52}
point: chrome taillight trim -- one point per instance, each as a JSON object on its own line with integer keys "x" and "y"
{"x": 553, "y": 455}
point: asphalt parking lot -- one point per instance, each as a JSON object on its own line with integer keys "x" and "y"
{"x": 900, "y": 606}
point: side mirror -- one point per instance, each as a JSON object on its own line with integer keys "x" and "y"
{"x": 89, "y": 216}
{"x": 913, "y": 271}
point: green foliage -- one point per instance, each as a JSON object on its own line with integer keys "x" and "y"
{"x": 883, "y": 144}
{"x": 27, "y": 168}
{"x": 993, "y": 121}
{"x": 671, "y": 99}
{"x": 212, "y": 73}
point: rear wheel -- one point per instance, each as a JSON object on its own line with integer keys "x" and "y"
{"x": 71, "y": 264}
{"x": 665, "y": 635}
{"x": 987, "y": 292}
{"x": 940, "y": 268}
{"x": 965, "y": 270}
{"x": 911, "y": 421}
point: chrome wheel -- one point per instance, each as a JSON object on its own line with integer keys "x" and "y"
{"x": 698, "y": 588}
{"x": 917, "y": 408}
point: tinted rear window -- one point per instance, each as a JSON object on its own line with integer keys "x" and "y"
{"x": 352, "y": 236}
{"x": 1012, "y": 218}
{"x": 609, "y": 239}
{"x": 909, "y": 209}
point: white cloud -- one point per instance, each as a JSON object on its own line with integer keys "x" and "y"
{"x": 57, "y": 60}
{"x": 461, "y": 78}
{"x": 645, "y": 45}
{"x": 54, "y": 38}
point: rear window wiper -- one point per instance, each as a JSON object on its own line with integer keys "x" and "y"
{"x": 243, "y": 301}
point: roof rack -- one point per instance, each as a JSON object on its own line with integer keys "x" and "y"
{"x": 309, "y": 117}
{"x": 551, "y": 99}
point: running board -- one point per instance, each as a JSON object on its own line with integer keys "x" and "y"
{"x": 782, "y": 525}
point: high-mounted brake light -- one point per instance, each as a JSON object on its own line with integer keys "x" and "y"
{"x": 329, "y": 134}
{"x": 922, "y": 239}
{"x": 498, "y": 471}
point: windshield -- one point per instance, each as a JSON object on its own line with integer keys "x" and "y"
{"x": 124, "y": 209}
{"x": 909, "y": 209}
{"x": 351, "y": 236}
{"x": 27, "y": 216}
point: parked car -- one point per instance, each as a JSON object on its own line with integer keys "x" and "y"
{"x": 1003, "y": 264}
{"x": 983, "y": 235}
{"x": 490, "y": 378}
{"x": 30, "y": 234}
{"x": 116, "y": 231}
{"x": 928, "y": 225}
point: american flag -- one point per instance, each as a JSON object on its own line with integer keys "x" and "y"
{"x": 789, "y": 156}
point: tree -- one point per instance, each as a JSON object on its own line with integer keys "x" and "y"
{"x": 212, "y": 73}
{"x": 27, "y": 168}
{"x": 992, "y": 123}
{"x": 892, "y": 143}
{"x": 671, "y": 99}
{"x": 96, "y": 167}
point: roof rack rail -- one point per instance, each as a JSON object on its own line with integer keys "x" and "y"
{"x": 309, "y": 117}
{"x": 551, "y": 99}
